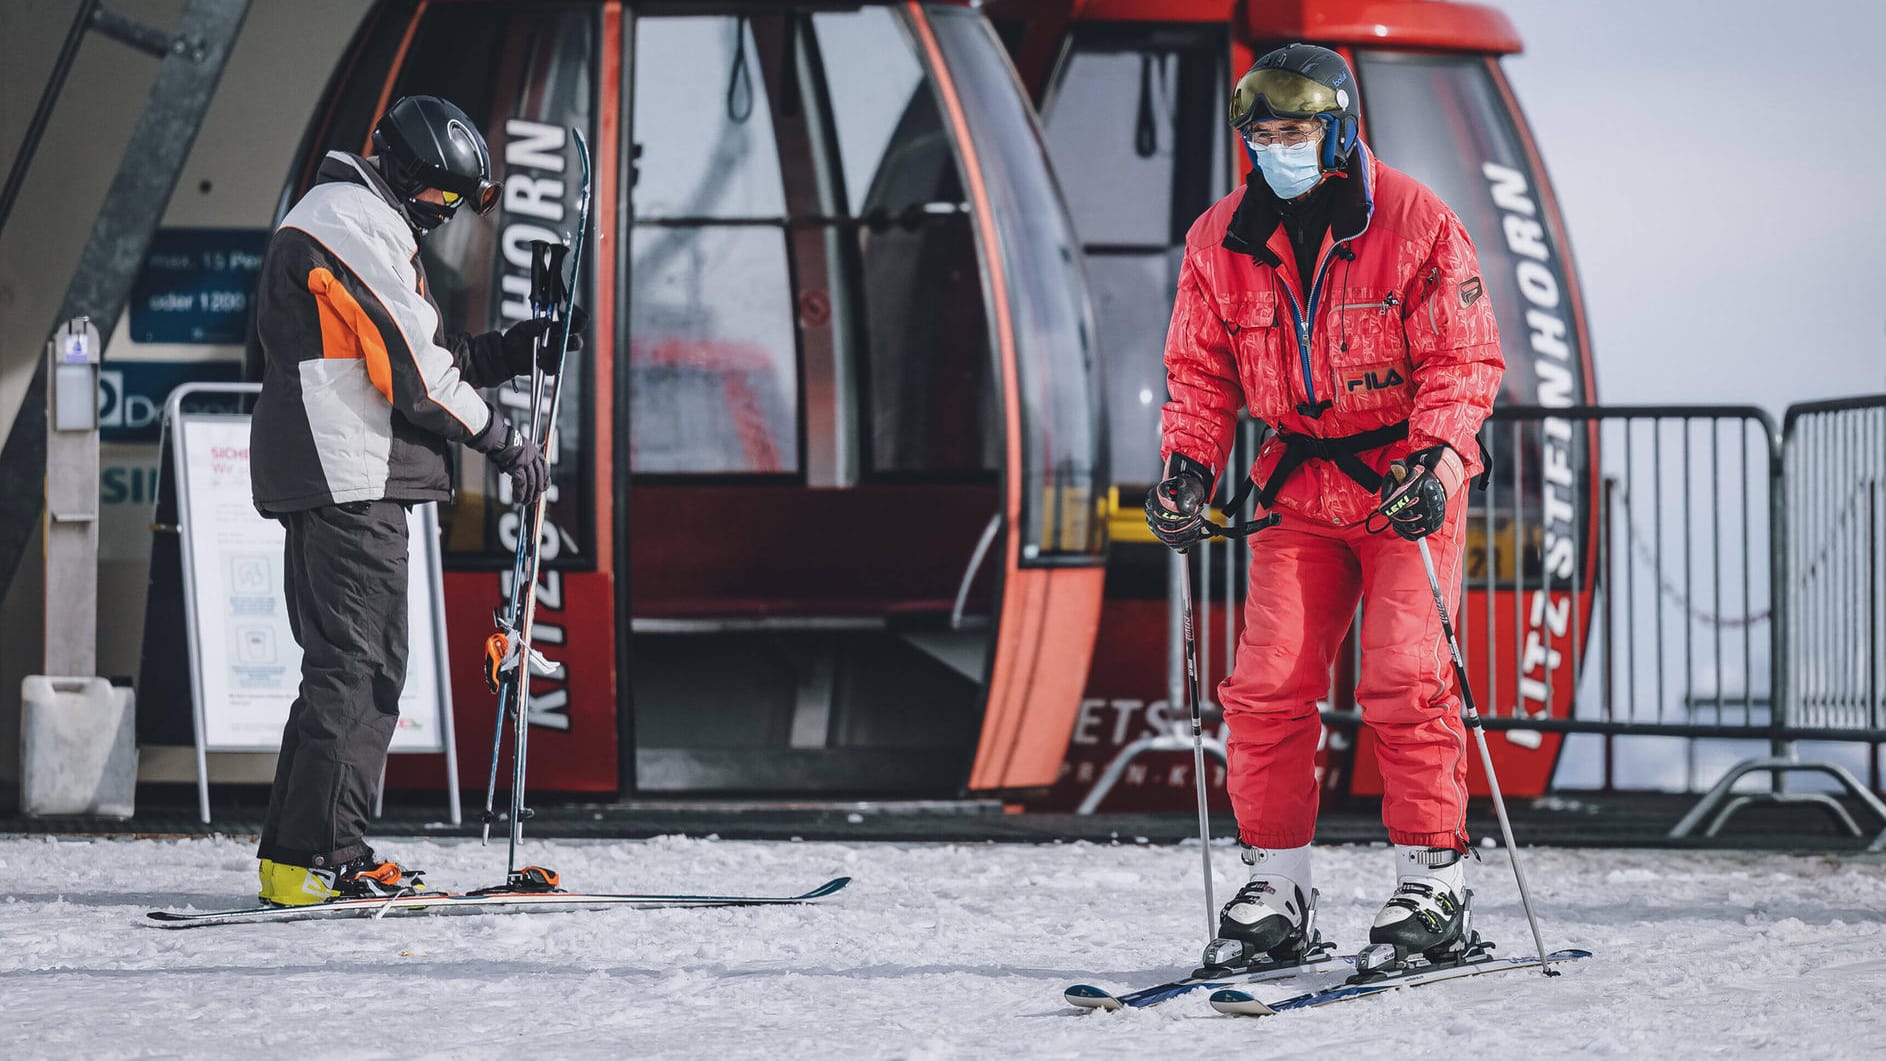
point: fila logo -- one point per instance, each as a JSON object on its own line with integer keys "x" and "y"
{"x": 1470, "y": 290}
{"x": 1374, "y": 379}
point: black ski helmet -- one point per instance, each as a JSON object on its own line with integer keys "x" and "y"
{"x": 1303, "y": 81}
{"x": 424, "y": 142}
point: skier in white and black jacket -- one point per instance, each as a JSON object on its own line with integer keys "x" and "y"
{"x": 362, "y": 392}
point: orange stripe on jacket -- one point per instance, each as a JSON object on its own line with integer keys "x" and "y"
{"x": 347, "y": 332}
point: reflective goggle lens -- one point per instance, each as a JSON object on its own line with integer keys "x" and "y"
{"x": 485, "y": 198}
{"x": 1289, "y": 95}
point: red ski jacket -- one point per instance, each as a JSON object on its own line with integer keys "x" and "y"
{"x": 1393, "y": 333}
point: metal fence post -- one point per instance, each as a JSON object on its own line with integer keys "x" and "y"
{"x": 1779, "y": 691}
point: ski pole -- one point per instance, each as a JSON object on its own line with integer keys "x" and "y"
{"x": 532, "y": 552}
{"x": 1198, "y": 742}
{"x": 1486, "y": 757}
{"x": 543, "y": 302}
{"x": 1212, "y": 530}
{"x": 565, "y": 296}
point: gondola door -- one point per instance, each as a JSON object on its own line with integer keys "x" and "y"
{"x": 811, "y": 411}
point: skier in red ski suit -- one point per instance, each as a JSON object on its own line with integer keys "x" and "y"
{"x": 1340, "y": 301}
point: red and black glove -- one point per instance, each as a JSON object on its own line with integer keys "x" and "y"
{"x": 1414, "y": 493}
{"x": 521, "y": 342}
{"x": 1176, "y": 508}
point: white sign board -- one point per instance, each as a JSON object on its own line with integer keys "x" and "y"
{"x": 248, "y": 667}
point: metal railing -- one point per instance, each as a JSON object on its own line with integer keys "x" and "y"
{"x": 1632, "y": 551}
{"x": 1831, "y": 611}
{"x": 1682, "y": 571}
{"x": 1834, "y": 468}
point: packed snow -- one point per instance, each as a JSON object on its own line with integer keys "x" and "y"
{"x": 934, "y": 951}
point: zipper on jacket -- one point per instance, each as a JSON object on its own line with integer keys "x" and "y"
{"x": 1302, "y": 322}
{"x": 1306, "y": 318}
{"x": 1303, "y": 319}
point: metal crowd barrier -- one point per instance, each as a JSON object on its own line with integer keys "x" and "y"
{"x": 1650, "y": 570}
{"x": 1832, "y": 645}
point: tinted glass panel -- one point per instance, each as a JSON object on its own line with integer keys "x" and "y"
{"x": 701, "y": 118}
{"x": 714, "y": 379}
{"x": 1062, "y": 474}
{"x": 880, "y": 105}
{"x": 1134, "y": 131}
{"x": 714, "y": 371}
{"x": 1110, "y": 132}
{"x": 1133, "y": 300}
{"x": 929, "y": 378}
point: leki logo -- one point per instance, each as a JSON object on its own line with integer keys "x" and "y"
{"x": 1374, "y": 379}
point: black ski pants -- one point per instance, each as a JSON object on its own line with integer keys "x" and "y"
{"x": 345, "y": 577}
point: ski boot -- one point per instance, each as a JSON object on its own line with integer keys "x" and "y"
{"x": 1272, "y": 919}
{"x": 364, "y": 877}
{"x": 1428, "y": 922}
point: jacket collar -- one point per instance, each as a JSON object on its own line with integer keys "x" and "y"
{"x": 1260, "y": 213}
{"x": 347, "y": 168}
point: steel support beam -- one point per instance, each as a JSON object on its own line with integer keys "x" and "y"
{"x": 153, "y": 160}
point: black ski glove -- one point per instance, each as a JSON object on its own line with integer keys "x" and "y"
{"x": 521, "y": 345}
{"x": 1175, "y": 509}
{"x": 518, "y": 457}
{"x": 1414, "y": 499}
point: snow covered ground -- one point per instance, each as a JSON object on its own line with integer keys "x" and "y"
{"x": 935, "y": 951}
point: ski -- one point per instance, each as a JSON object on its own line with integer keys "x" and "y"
{"x": 1089, "y": 997}
{"x": 1243, "y": 1003}
{"x": 491, "y": 901}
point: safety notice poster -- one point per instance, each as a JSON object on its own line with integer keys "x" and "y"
{"x": 248, "y": 665}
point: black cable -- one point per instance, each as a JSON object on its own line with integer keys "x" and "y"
{"x": 739, "y": 79}
{"x": 1145, "y": 129}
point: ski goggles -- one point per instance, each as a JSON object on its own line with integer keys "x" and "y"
{"x": 1285, "y": 94}
{"x": 487, "y": 197}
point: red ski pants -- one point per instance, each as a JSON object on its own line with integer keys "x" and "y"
{"x": 1306, "y": 578}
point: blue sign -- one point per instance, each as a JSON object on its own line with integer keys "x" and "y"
{"x": 131, "y": 394}
{"x": 196, "y": 285}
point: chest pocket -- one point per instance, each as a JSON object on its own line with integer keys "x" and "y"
{"x": 1258, "y": 340}
{"x": 1367, "y": 350}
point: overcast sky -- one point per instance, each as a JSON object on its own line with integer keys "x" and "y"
{"x": 1720, "y": 169}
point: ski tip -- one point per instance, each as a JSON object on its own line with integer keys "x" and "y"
{"x": 1240, "y": 1004}
{"x": 1087, "y": 996}
{"x": 830, "y": 887}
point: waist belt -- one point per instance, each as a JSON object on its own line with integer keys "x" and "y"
{"x": 1342, "y": 450}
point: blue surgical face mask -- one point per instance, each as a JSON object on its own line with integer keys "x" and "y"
{"x": 1290, "y": 171}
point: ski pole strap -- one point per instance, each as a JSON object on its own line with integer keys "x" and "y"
{"x": 1241, "y": 530}
{"x": 1340, "y": 450}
